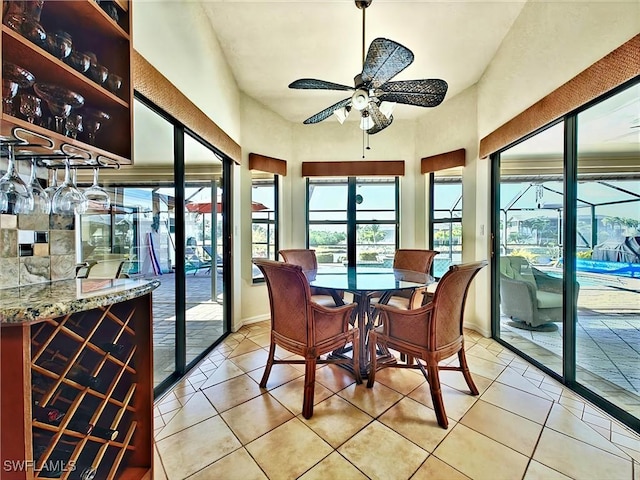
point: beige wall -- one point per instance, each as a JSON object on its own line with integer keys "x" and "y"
{"x": 549, "y": 44}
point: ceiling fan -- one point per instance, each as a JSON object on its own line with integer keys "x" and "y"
{"x": 374, "y": 95}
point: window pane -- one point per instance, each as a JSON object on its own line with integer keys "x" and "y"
{"x": 608, "y": 254}
{"x": 264, "y": 232}
{"x": 446, "y": 234}
{"x": 531, "y": 272}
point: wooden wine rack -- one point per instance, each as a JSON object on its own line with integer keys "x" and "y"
{"x": 37, "y": 361}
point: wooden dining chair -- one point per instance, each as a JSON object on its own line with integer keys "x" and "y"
{"x": 303, "y": 327}
{"x": 429, "y": 334}
{"x": 413, "y": 260}
{"x": 306, "y": 258}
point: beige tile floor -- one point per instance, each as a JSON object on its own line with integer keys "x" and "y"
{"x": 218, "y": 424}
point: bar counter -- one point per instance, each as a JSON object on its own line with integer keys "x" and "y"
{"x": 33, "y": 303}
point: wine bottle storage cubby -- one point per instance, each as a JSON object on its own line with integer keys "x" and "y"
{"x": 88, "y": 397}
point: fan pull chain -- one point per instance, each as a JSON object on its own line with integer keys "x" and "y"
{"x": 368, "y": 147}
{"x": 363, "y": 134}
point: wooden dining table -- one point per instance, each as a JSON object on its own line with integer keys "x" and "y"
{"x": 363, "y": 282}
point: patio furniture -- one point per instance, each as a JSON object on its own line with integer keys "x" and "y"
{"x": 105, "y": 269}
{"x": 306, "y": 258}
{"x": 416, "y": 261}
{"x": 303, "y": 327}
{"x": 362, "y": 281}
{"x": 429, "y": 334}
{"x": 530, "y": 297}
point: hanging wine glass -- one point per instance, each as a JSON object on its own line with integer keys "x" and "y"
{"x": 53, "y": 184}
{"x": 68, "y": 200}
{"x": 97, "y": 197}
{"x": 41, "y": 200}
{"x": 16, "y": 197}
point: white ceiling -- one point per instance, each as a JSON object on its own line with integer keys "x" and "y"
{"x": 270, "y": 43}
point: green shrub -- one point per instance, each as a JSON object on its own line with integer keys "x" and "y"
{"x": 324, "y": 257}
{"x": 368, "y": 256}
{"x": 585, "y": 255}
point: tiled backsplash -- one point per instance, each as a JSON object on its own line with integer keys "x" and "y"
{"x": 36, "y": 248}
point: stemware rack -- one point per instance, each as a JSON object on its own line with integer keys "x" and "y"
{"x": 49, "y": 157}
{"x": 92, "y": 29}
{"x": 99, "y": 430}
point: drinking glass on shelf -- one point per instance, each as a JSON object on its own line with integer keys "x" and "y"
{"x": 73, "y": 125}
{"x": 114, "y": 82}
{"x": 97, "y": 197}
{"x": 9, "y": 91}
{"x": 13, "y": 78}
{"x": 30, "y": 107}
{"x": 93, "y": 120}
{"x": 15, "y": 195}
{"x": 59, "y": 44}
{"x": 41, "y": 200}
{"x": 59, "y": 100}
{"x": 68, "y": 199}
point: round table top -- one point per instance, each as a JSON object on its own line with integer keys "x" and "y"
{"x": 365, "y": 278}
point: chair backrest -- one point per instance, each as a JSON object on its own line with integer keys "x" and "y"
{"x": 289, "y": 297}
{"x": 512, "y": 267}
{"x": 304, "y": 257}
{"x": 106, "y": 269}
{"x": 448, "y": 302}
{"x": 414, "y": 260}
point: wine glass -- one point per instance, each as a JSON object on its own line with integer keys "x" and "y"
{"x": 59, "y": 100}
{"x": 97, "y": 197}
{"x": 13, "y": 78}
{"x": 59, "y": 44}
{"x": 41, "y": 200}
{"x": 68, "y": 200}
{"x": 114, "y": 82}
{"x": 93, "y": 120}
{"x": 15, "y": 195}
{"x": 73, "y": 125}
{"x": 30, "y": 107}
{"x": 78, "y": 60}
{"x": 53, "y": 184}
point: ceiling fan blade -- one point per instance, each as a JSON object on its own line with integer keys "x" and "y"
{"x": 422, "y": 93}
{"x": 385, "y": 59}
{"x": 313, "y": 84}
{"x": 327, "y": 112}
{"x": 380, "y": 121}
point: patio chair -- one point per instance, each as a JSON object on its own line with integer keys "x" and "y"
{"x": 303, "y": 327}
{"x": 530, "y": 297}
{"x": 306, "y": 258}
{"x": 429, "y": 334}
{"x": 105, "y": 269}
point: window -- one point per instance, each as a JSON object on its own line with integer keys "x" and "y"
{"x": 353, "y": 220}
{"x": 264, "y": 219}
{"x": 446, "y": 222}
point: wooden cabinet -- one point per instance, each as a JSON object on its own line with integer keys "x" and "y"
{"x": 78, "y": 390}
{"x": 91, "y": 30}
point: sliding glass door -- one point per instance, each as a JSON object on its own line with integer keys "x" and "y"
{"x": 567, "y": 247}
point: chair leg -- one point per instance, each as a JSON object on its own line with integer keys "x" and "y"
{"x": 436, "y": 395}
{"x": 356, "y": 356}
{"x": 309, "y": 387}
{"x": 466, "y": 372}
{"x": 373, "y": 363}
{"x": 267, "y": 369}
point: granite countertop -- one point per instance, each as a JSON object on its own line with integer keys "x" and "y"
{"x": 33, "y": 303}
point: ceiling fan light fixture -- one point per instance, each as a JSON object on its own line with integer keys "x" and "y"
{"x": 342, "y": 114}
{"x": 366, "y": 122}
{"x": 360, "y": 99}
{"x": 386, "y": 108}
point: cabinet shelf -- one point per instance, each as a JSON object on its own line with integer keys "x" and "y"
{"x": 91, "y": 30}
